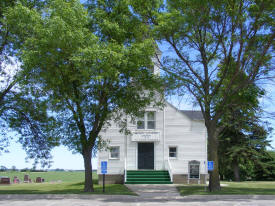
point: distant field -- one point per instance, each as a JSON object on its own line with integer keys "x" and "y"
{"x": 50, "y": 176}
{"x": 71, "y": 183}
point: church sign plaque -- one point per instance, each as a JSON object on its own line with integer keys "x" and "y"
{"x": 139, "y": 136}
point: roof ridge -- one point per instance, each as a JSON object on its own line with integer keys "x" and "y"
{"x": 193, "y": 114}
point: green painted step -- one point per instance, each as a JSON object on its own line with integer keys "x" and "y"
{"x": 149, "y": 182}
{"x": 147, "y": 171}
{"x": 148, "y": 177}
{"x": 146, "y": 180}
{"x": 153, "y": 176}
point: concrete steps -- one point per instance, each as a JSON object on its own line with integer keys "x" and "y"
{"x": 148, "y": 177}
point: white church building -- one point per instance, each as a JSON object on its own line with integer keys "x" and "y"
{"x": 166, "y": 145}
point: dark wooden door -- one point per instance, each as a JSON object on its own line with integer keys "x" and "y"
{"x": 146, "y": 156}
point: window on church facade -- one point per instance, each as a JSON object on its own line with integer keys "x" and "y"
{"x": 151, "y": 121}
{"x": 140, "y": 123}
{"x": 147, "y": 121}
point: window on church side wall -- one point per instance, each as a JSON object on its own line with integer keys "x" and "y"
{"x": 148, "y": 121}
{"x": 114, "y": 152}
{"x": 194, "y": 169}
{"x": 173, "y": 152}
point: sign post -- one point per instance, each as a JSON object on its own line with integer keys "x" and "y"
{"x": 210, "y": 167}
{"x": 103, "y": 171}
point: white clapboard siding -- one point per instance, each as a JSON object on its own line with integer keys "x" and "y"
{"x": 190, "y": 138}
{"x": 177, "y": 129}
{"x": 131, "y": 154}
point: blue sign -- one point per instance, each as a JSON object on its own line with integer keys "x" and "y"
{"x": 210, "y": 165}
{"x": 103, "y": 167}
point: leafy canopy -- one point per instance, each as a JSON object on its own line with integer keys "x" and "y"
{"x": 87, "y": 67}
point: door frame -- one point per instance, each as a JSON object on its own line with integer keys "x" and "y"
{"x": 137, "y": 155}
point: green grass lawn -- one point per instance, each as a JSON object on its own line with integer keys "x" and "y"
{"x": 232, "y": 188}
{"x": 70, "y": 183}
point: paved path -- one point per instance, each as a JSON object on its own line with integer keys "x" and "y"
{"x": 161, "y": 192}
{"x": 119, "y": 200}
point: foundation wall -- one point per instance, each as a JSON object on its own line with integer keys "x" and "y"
{"x": 111, "y": 179}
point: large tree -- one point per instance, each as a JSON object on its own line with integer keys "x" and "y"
{"x": 243, "y": 140}
{"x": 18, "y": 106}
{"x": 88, "y": 77}
{"x": 243, "y": 153}
{"x": 210, "y": 41}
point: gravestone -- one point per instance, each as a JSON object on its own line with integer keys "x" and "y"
{"x": 5, "y": 180}
{"x": 16, "y": 180}
{"x": 26, "y": 178}
{"x": 38, "y": 180}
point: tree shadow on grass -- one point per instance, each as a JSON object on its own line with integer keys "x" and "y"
{"x": 75, "y": 188}
{"x": 95, "y": 182}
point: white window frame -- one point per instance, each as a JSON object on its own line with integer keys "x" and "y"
{"x": 197, "y": 163}
{"x": 172, "y": 146}
{"x": 150, "y": 120}
{"x": 145, "y": 117}
{"x": 138, "y": 119}
{"x": 110, "y": 156}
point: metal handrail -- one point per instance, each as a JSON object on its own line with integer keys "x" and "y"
{"x": 125, "y": 169}
{"x": 170, "y": 169}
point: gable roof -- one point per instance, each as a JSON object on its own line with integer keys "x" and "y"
{"x": 191, "y": 114}
{"x": 194, "y": 115}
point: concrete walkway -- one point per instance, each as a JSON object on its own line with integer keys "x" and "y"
{"x": 161, "y": 192}
{"x": 121, "y": 200}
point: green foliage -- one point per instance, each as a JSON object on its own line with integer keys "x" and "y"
{"x": 268, "y": 161}
{"x": 245, "y": 149}
{"x": 28, "y": 116}
{"x": 86, "y": 79}
{"x": 244, "y": 138}
{"x": 206, "y": 38}
{"x": 18, "y": 106}
{"x": 272, "y": 153}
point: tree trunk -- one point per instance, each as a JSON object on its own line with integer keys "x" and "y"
{"x": 236, "y": 170}
{"x": 87, "y": 156}
{"x": 214, "y": 180}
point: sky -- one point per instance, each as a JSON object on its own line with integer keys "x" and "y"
{"x": 62, "y": 158}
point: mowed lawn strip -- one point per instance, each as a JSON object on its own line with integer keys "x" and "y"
{"x": 232, "y": 188}
{"x": 71, "y": 183}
